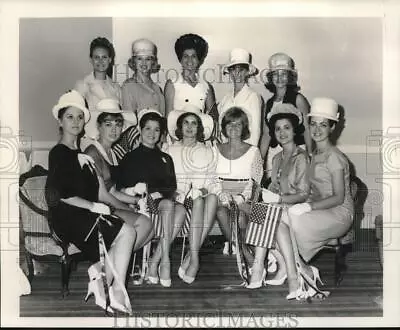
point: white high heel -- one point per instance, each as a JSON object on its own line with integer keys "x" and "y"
{"x": 94, "y": 271}
{"x": 279, "y": 281}
{"x": 164, "y": 282}
{"x": 258, "y": 284}
{"x": 126, "y": 308}
{"x": 94, "y": 289}
{"x": 300, "y": 293}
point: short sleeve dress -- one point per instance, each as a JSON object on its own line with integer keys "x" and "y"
{"x": 316, "y": 228}
{"x": 67, "y": 179}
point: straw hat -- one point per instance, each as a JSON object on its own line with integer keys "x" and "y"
{"x": 324, "y": 107}
{"x": 240, "y": 56}
{"x": 206, "y": 120}
{"x": 285, "y": 108}
{"x": 71, "y": 99}
{"x": 281, "y": 61}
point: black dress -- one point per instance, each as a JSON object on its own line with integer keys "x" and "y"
{"x": 148, "y": 165}
{"x": 67, "y": 179}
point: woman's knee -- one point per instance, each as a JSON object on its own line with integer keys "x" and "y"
{"x": 128, "y": 231}
{"x": 222, "y": 213}
{"x": 242, "y": 220}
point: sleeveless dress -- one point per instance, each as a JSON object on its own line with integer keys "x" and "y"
{"x": 187, "y": 94}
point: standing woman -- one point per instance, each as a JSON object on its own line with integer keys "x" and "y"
{"x": 148, "y": 164}
{"x": 282, "y": 82}
{"x": 73, "y": 192}
{"x": 240, "y": 69}
{"x": 190, "y": 87}
{"x": 328, "y": 212}
{"x": 196, "y": 180}
{"x": 289, "y": 185}
{"x": 140, "y": 92}
{"x": 98, "y": 84}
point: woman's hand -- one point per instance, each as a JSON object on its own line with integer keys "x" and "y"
{"x": 238, "y": 199}
{"x": 270, "y": 197}
{"x": 156, "y": 195}
{"x": 224, "y": 198}
{"x": 100, "y": 208}
{"x": 299, "y": 209}
{"x": 139, "y": 189}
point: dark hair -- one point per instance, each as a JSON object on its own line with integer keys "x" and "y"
{"x": 114, "y": 116}
{"x": 191, "y": 41}
{"x": 232, "y": 114}
{"x": 101, "y": 42}
{"x": 330, "y": 121}
{"x": 291, "y": 86}
{"x": 60, "y": 114}
{"x": 152, "y": 116}
{"x": 200, "y": 127}
{"x": 298, "y": 129}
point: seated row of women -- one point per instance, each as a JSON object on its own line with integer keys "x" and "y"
{"x": 207, "y": 178}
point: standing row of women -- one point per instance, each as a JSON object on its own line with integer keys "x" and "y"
{"x": 189, "y": 172}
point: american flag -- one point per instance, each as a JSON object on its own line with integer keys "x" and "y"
{"x": 128, "y": 141}
{"x": 154, "y": 216}
{"x": 264, "y": 221}
{"x": 188, "y": 204}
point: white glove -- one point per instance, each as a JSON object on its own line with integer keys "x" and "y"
{"x": 156, "y": 195}
{"x": 196, "y": 193}
{"x": 238, "y": 199}
{"x": 269, "y": 197}
{"x": 299, "y": 209}
{"x": 224, "y": 198}
{"x": 130, "y": 191}
{"x": 140, "y": 188}
{"x": 84, "y": 159}
{"x": 180, "y": 198}
{"x": 142, "y": 206}
{"x": 100, "y": 208}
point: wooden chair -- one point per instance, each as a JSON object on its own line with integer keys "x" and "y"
{"x": 40, "y": 241}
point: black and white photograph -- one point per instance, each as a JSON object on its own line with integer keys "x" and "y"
{"x": 200, "y": 165}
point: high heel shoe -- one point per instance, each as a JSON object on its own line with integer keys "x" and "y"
{"x": 164, "y": 282}
{"x": 313, "y": 289}
{"x": 152, "y": 279}
{"x": 126, "y": 308}
{"x": 258, "y": 284}
{"x": 94, "y": 271}
{"x": 181, "y": 270}
{"x": 189, "y": 279}
{"x": 94, "y": 288}
{"x": 300, "y": 293}
{"x": 279, "y": 281}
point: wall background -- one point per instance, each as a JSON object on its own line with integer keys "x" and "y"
{"x": 336, "y": 57}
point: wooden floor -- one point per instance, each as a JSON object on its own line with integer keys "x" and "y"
{"x": 214, "y": 291}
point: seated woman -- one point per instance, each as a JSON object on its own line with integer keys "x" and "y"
{"x": 189, "y": 87}
{"x": 328, "y": 212}
{"x": 196, "y": 180}
{"x": 148, "y": 164}
{"x": 110, "y": 121}
{"x": 289, "y": 185}
{"x": 240, "y": 69}
{"x": 239, "y": 163}
{"x": 73, "y": 191}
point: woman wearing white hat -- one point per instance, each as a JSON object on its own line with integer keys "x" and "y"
{"x": 328, "y": 212}
{"x": 282, "y": 82}
{"x": 190, "y": 87}
{"x": 110, "y": 121}
{"x": 240, "y": 69}
{"x": 72, "y": 193}
{"x": 196, "y": 180}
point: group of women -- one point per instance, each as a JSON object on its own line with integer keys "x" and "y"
{"x": 177, "y": 149}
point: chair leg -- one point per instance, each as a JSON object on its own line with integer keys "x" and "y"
{"x": 340, "y": 264}
{"x": 31, "y": 271}
{"x": 65, "y": 274}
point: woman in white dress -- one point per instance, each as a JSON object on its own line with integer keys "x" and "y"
{"x": 240, "y": 69}
{"x": 196, "y": 184}
{"x": 239, "y": 163}
{"x": 190, "y": 87}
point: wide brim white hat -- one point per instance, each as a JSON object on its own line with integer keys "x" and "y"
{"x": 111, "y": 105}
{"x": 324, "y": 107}
{"x": 240, "y": 56}
{"x": 281, "y": 61}
{"x": 142, "y": 112}
{"x": 71, "y": 99}
{"x": 206, "y": 120}
{"x": 285, "y": 108}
